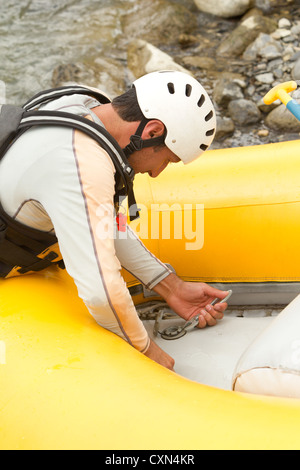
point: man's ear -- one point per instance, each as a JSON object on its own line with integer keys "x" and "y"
{"x": 153, "y": 128}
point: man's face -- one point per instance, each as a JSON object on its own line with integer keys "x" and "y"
{"x": 152, "y": 160}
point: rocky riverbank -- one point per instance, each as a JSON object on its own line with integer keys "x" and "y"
{"x": 238, "y": 49}
{"x": 238, "y": 55}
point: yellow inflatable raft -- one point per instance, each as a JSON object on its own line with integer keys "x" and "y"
{"x": 68, "y": 384}
{"x": 238, "y": 214}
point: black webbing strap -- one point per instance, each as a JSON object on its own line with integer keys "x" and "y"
{"x": 137, "y": 143}
{"x": 20, "y": 245}
{"x": 97, "y": 132}
{"x": 55, "y": 93}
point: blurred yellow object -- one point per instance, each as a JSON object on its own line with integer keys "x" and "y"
{"x": 281, "y": 92}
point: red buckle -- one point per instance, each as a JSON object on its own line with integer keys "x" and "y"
{"x": 121, "y": 220}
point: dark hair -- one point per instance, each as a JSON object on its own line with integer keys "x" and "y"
{"x": 127, "y": 107}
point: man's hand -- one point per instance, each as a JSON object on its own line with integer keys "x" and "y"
{"x": 188, "y": 299}
{"x": 155, "y": 353}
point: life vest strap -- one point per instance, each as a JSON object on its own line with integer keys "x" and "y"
{"x": 24, "y": 249}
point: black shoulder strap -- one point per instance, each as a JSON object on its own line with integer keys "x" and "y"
{"x": 24, "y": 248}
{"x": 55, "y": 93}
{"x": 94, "y": 130}
{"x": 10, "y": 117}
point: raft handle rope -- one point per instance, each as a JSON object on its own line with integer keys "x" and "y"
{"x": 178, "y": 331}
{"x": 160, "y": 311}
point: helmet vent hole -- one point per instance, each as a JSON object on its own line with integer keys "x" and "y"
{"x": 201, "y": 101}
{"x": 210, "y": 132}
{"x": 203, "y": 147}
{"x": 188, "y": 90}
{"x": 171, "y": 88}
{"x": 209, "y": 116}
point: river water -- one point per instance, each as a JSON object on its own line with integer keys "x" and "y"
{"x": 38, "y": 35}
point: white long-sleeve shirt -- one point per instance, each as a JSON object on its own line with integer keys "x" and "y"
{"x": 60, "y": 180}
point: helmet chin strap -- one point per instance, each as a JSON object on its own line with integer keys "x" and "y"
{"x": 137, "y": 143}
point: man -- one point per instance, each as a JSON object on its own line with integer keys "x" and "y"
{"x": 60, "y": 180}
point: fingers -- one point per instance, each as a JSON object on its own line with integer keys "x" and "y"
{"x": 216, "y": 293}
{"x": 223, "y": 293}
{"x": 202, "y": 320}
{"x": 210, "y": 315}
{"x": 219, "y": 308}
{"x": 155, "y": 353}
{"x": 206, "y": 319}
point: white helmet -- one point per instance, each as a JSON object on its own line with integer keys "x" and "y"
{"x": 181, "y": 103}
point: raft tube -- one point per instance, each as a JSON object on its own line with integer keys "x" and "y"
{"x": 248, "y": 202}
{"x": 66, "y": 383}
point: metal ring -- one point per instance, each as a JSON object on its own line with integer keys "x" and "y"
{"x": 173, "y": 332}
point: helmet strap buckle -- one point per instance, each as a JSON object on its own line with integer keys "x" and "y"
{"x": 136, "y": 142}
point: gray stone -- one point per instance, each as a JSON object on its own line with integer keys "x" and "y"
{"x": 295, "y": 30}
{"x": 278, "y": 73}
{"x": 244, "y": 112}
{"x": 224, "y": 8}
{"x": 226, "y": 90}
{"x": 270, "y": 52}
{"x": 225, "y": 128}
{"x": 296, "y": 70}
{"x": 296, "y": 56}
{"x": 284, "y": 23}
{"x": 264, "y": 5}
{"x": 143, "y": 57}
{"x": 266, "y": 78}
{"x": 281, "y": 33}
{"x": 244, "y": 34}
{"x": 267, "y": 108}
{"x": 264, "y": 46}
{"x": 274, "y": 64}
{"x": 281, "y": 119}
{"x": 206, "y": 63}
{"x": 289, "y": 39}
{"x": 103, "y": 73}
{"x": 158, "y": 21}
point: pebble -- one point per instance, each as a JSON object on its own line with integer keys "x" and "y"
{"x": 263, "y": 132}
{"x": 284, "y": 23}
{"x": 281, "y": 33}
{"x": 267, "y": 78}
{"x": 296, "y": 29}
{"x": 296, "y": 70}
